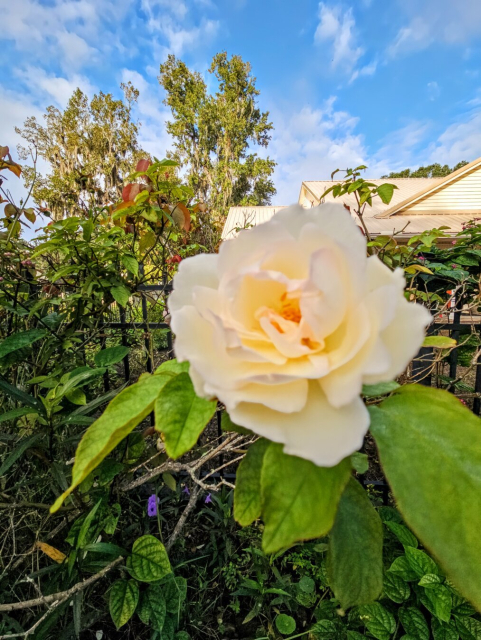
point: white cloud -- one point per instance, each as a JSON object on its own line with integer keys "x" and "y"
{"x": 180, "y": 38}
{"x": 337, "y": 27}
{"x": 460, "y": 141}
{"x": 46, "y": 87}
{"x": 311, "y": 143}
{"x": 435, "y": 21}
{"x": 366, "y": 70}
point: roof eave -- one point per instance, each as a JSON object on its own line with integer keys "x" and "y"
{"x": 452, "y": 177}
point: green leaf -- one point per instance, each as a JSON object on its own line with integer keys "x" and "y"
{"x": 169, "y": 481}
{"x": 380, "y": 389}
{"x": 468, "y": 628}
{"x": 158, "y": 609}
{"x": 385, "y": 192}
{"x": 168, "y": 629}
{"x": 414, "y": 622}
{"x": 19, "y": 450}
{"x": 110, "y": 356}
{"x": 247, "y": 493}
{"x": 326, "y": 630}
{"x": 360, "y": 462}
{"x": 82, "y": 539}
{"x": 299, "y": 499}
{"x": 379, "y": 622}
{"x": 395, "y": 588}
{"x": 443, "y": 631}
{"x": 20, "y": 340}
{"x": 143, "y": 610}
{"x": 131, "y": 264}
{"x": 440, "y": 599}
{"x": 121, "y": 295}
{"x": 121, "y": 416}
{"x": 430, "y": 580}
{"x": 21, "y": 396}
{"x": 181, "y": 415}
{"x": 124, "y": 596}
{"x": 76, "y": 396}
{"x": 175, "y": 593}
{"x": 13, "y": 414}
{"x": 440, "y": 342}
{"x": 355, "y": 549}
{"x": 307, "y": 584}
{"x": 401, "y": 567}
{"x": 172, "y": 366}
{"x": 426, "y": 437}
{"x": 149, "y": 559}
{"x": 420, "y": 562}
{"x": 402, "y": 533}
{"x": 87, "y": 229}
{"x": 285, "y": 624}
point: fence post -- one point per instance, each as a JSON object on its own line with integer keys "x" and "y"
{"x": 124, "y": 343}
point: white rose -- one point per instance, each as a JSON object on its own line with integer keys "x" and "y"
{"x": 287, "y": 323}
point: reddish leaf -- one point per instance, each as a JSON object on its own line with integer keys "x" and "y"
{"x": 143, "y": 164}
{"x": 181, "y": 216}
{"x": 130, "y": 191}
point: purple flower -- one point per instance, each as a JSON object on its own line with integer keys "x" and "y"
{"x": 208, "y": 500}
{"x": 421, "y": 258}
{"x": 454, "y": 242}
{"x": 186, "y": 490}
{"x": 152, "y": 505}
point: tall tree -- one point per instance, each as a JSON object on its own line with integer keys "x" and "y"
{"x": 90, "y": 147}
{"x": 214, "y": 132}
{"x": 431, "y": 171}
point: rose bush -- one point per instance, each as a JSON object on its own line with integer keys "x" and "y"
{"x": 287, "y": 323}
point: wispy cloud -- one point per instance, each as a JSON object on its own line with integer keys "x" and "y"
{"x": 436, "y": 21}
{"x": 337, "y": 27}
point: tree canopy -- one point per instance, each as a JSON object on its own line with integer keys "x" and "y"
{"x": 213, "y": 132}
{"x": 435, "y": 170}
{"x": 90, "y": 147}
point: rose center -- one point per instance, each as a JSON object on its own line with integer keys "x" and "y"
{"x": 290, "y": 309}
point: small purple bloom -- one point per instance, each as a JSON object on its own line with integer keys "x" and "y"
{"x": 152, "y": 505}
{"x": 208, "y": 500}
{"x": 186, "y": 490}
{"x": 421, "y": 258}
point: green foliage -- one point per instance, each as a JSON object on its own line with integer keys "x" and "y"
{"x": 421, "y": 453}
{"x": 181, "y": 414}
{"x": 247, "y": 497}
{"x": 355, "y": 549}
{"x": 124, "y": 596}
{"x": 149, "y": 560}
{"x": 90, "y": 147}
{"x": 431, "y": 171}
{"x": 299, "y": 499}
{"x": 213, "y": 133}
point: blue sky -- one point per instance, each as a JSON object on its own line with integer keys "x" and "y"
{"x": 392, "y": 84}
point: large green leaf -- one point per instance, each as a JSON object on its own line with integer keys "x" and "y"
{"x": 181, "y": 415}
{"x": 121, "y": 295}
{"x": 385, "y": 192}
{"x": 124, "y": 596}
{"x": 20, "y": 340}
{"x": 122, "y": 415}
{"x": 149, "y": 560}
{"x": 175, "y": 592}
{"x": 355, "y": 549}
{"x": 110, "y": 356}
{"x": 430, "y": 450}
{"x": 247, "y": 494}
{"x": 299, "y": 499}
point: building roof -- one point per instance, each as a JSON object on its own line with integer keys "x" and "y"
{"x": 245, "y": 217}
{"x": 428, "y": 189}
{"x": 387, "y": 219}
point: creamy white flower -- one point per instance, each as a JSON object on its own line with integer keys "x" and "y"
{"x": 287, "y": 323}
